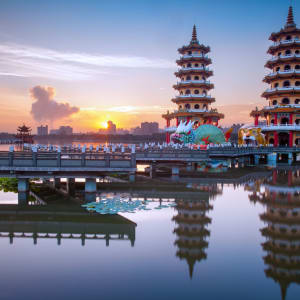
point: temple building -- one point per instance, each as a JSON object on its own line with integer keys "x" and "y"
{"x": 282, "y": 113}
{"x": 193, "y": 99}
{"x": 24, "y": 134}
{"x": 281, "y": 197}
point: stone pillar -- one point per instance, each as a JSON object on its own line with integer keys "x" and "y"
{"x": 256, "y": 160}
{"x": 272, "y": 159}
{"x": 70, "y": 186}
{"x": 168, "y": 134}
{"x": 290, "y": 160}
{"x": 90, "y": 185}
{"x": 291, "y": 139}
{"x": 56, "y": 183}
{"x": 152, "y": 171}
{"x": 275, "y": 119}
{"x": 275, "y": 138}
{"x": 132, "y": 177}
{"x": 256, "y": 120}
{"x": 175, "y": 173}
{"x": 23, "y": 191}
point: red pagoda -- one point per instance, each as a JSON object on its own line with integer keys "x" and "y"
{"x": 193, "y": 101}
{"x": 24, "y": 135}
{"x": 283, "y": 111}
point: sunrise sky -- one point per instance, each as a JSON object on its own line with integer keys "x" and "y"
{"x": 114, "y": 60}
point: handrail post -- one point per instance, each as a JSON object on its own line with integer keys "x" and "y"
{"x": 58, "y": 159}
{"x": 11, "y": 157}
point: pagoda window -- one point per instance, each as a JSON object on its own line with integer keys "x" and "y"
{"x": 297, "y": 52}
{"x": 190, "y": 53}
{"x": 276, "y": 85}
{"x": 271, "y": 141}
{"x": 274, "y": 102}
{"x": 205, "y": 106}
{"x": 286, "y": 83}
{"x": 287, "y": 67}
{"x": 288, "y": 38}
{"x": 277, "y": 69}
{"x": 204, "y": 92}
{"x": 187, "y": 106}
{"x": 272, "y": 121}
{"x": 287, "y": 52}
{"x": 284, "y": 121}
{"x": 181, "y": 93}
{"x": 297, "y": 101}
{"x": 180, "y": 106}
{"x": 297, "y": 67}
{"x": 203, "y": 78}
{"x": 297, "y": 141}
{"x": 196, "y": 78}
{"x": 297, "y": 83}
{"x": 196, "y": 65}
{"x": 189, "y": 65}
{"x": 285, "y": 101}
{"x": 279, "y": 53}
{"x": 297, "y": 122}
{"x": 196, "y": 106}
{"x": 196, "y": 92}
{"x": 188, "y": 77}
{"x": 187, "y": 92}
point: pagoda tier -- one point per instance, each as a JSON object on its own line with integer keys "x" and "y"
{"x": 281, "y": 197}
{"x": 191, "y": 231}
{"x": 193, "y": 86}
{"x": 282, "y": 114}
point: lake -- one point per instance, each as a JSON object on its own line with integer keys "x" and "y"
{"x": 219, "y": 241}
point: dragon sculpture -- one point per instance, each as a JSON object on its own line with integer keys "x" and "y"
{"x": 202, "y": 135}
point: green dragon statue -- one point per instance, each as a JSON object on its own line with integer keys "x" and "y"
{"x": 202, "y": 135}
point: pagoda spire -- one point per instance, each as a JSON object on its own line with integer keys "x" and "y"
{"x": 290, "y": 18}
{"x": 194, "y": 34}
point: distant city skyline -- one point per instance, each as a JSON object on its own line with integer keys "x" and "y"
{"x": 116, "y": 60}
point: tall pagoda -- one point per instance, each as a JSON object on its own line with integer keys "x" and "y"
{"x": 193, "y": 99}
{"x": 281, "y": 196}
{"x": 282, "y": 113}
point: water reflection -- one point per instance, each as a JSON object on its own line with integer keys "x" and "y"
{"x": 280, "y": 194}
{"x": 62, "y": 222}
{"x": 191, "y": 225}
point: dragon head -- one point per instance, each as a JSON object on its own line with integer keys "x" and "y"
{"x": 184, "y": 133}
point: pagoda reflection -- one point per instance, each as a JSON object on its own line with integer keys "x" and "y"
{"x": 191, "y": 225}
{"x": 280, "y": 193}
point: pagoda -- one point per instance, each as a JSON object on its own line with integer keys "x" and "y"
{"x": 193, "y": 99}
{"x": 24, "y": 134}
{"x": 282, "y": 113}
{"x": 281, "y": 196}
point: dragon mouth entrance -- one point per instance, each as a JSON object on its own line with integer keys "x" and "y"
{"x": 175, "y": 139}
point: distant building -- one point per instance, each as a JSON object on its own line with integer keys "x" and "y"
{"x": 122, "y": 131}
{"x": 63, "y": 130}
{"x": 42, "y": 130}
{"x": 111, "y": 128}
{"x": 149, "y": 128}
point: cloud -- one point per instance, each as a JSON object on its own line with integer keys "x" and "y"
{"x": 45, "y": 108}
{"x": 26, "y": 61}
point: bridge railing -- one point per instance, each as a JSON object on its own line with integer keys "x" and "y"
{"x": 68, "y": 160}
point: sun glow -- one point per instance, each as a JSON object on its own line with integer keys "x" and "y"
{"x": 103, "y": 124}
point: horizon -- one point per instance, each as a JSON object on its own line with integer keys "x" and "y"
{"x": 94, "y": 58}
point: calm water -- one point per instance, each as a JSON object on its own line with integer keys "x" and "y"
{"x": 210, "y": 246}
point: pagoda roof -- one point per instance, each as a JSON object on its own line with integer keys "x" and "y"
{"x": 289, "y": 28}
{"x": 24, "y": 128}
{"x": 194, "y": 44}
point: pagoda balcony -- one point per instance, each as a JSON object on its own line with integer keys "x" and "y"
{"x": 281, "y": 90}
{"x": 201, "y": 58}
{"x": 281, "y": 127}
{"x": 194, "y": 83}
{"x": 193, "y": 98}
{"x": 271, "y": 107}
{"x": 282, "y": 59}
{"x": 282, "y": 44}
{"x": 281, "y": 74}
{"x": 194, "y": 70}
